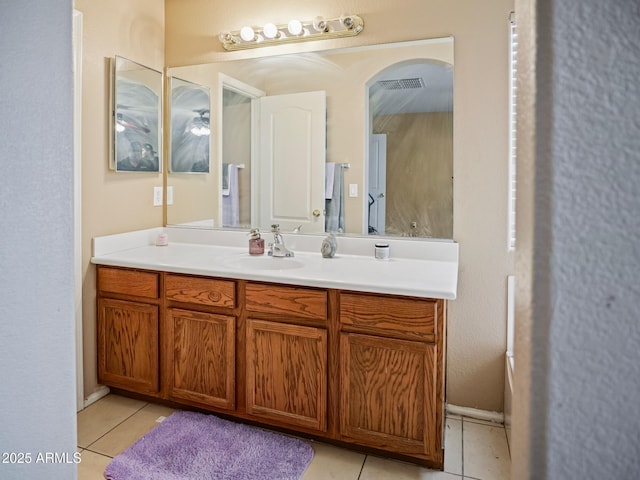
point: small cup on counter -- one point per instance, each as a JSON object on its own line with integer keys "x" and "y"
{"x": 162, "y": 240}
{"x": 382, "y": 251}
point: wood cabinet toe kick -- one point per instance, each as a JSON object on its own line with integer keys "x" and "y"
{"x": 358, "y": 369}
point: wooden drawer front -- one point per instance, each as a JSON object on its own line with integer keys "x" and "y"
{"x": 202, "y": 291}
{"x": 382, "y": 315}
{"x": 289, "y": 301}
{"x": 128, "y": 282}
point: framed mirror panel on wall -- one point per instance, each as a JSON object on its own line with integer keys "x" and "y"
{"x": 136, "y": 121}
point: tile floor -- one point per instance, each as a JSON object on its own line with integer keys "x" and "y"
{"x": 474, "y": 449}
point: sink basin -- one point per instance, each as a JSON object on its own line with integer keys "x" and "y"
{"x": 248, "y": 262}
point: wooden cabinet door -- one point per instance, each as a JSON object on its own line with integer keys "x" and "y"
{"x": 287, "y": 373}
{"x": 128, "y": 345}
{"x": 388, "y": 394}
{"x": 202, "y": 357}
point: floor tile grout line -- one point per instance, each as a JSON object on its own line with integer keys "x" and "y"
{"x": 508, "y": 444}
{"x": 462, "y": 445}
{"x": 99, "y": 453}
{"x": 484, "y": 422}
{"x": 115, "y": 426}
{"x": 362, "y": 466}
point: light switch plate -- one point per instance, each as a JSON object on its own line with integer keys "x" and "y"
{"x": 157, "y": 196}
{"x": 353, "y": 189}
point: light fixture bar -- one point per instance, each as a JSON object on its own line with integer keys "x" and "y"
{"x": 294, "y": 31}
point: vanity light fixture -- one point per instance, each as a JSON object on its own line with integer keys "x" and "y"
{"x": 293, "y": 31}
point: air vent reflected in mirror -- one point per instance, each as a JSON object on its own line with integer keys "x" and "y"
{"x": 401, "y": 84}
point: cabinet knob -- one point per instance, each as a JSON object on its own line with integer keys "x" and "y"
{"x": 316, "y": 213}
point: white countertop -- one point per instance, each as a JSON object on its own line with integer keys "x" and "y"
{"x": 416, "y": 268}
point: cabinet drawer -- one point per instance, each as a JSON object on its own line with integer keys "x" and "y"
{"x": 382, "y": 315}
{"x": 202, "y": 291}
{"x": 128, "y": 282}
{"x": 290, "y": 301}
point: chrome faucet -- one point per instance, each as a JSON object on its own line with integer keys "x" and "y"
{"x": 277, "y": 248}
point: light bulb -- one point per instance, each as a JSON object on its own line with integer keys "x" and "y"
{"x": 270, "y": 30}
{"x": 347, "y": 21}
{"x": 247, "y": 34}
{"x": 320, "y": 24}
{"x": 119, "y": 128}
{"x": 200, "y": 131}
{"x": 295, "y": 27}
{"x": 225, "y": 37}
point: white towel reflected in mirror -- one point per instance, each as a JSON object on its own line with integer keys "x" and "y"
{"x": 334, "y": 205}
{"x": 230, "y": 196}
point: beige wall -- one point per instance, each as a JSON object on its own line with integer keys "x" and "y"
{"x": 477, "y": 326}
{"x": 111, "y": 202}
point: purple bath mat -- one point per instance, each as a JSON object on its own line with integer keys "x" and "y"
{"x": 194, "y": 446}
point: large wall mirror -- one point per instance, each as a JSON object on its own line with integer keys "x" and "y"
{"x": 137, "y": 110}
{"x": 363, "y": 142}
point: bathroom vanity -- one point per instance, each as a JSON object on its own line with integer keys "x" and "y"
{"x": 349, "y": 349}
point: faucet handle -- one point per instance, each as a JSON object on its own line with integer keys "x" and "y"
{"x": 275, "y": 228}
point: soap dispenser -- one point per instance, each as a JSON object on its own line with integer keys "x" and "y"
{"x": 256, "y": 243}
{"x": 329, "y": 246}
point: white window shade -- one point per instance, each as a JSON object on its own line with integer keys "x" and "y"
{"x": 513, "y": 62}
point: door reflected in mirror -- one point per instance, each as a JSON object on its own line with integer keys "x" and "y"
{"x": 414, "y": 197}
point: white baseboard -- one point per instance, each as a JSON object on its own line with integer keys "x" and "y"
{"x": 495, "y": 417}
{"x": 102, "y": 391}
